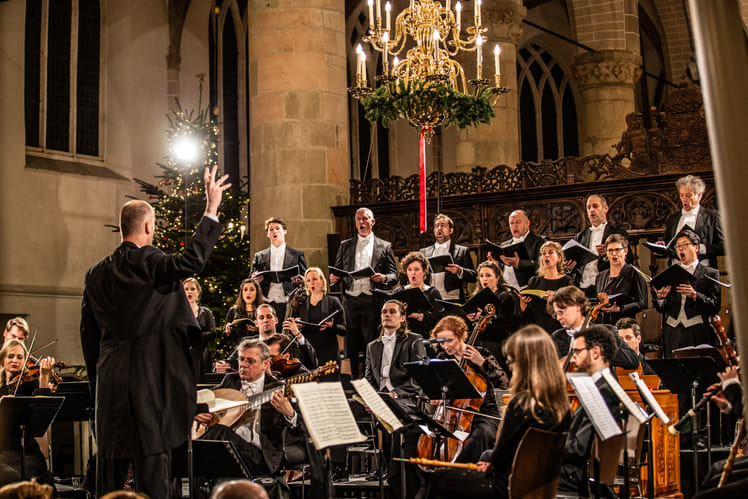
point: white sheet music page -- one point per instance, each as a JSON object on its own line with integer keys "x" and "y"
{"x": 649, "y": 398}
{"x": 594, "y": 405}
{"x": 631, "y": 406}
{"x": 327, "y": 415}
{"x": 378, "y": 406}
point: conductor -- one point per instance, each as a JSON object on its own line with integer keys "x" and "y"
{"x": 135, "y": 323}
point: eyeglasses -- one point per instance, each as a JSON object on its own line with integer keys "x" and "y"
{"x": 683, "y": 246}
{"x": 614, "y": 250}
{"x": 249, "y": 361}
{"x": 577, "y": 351}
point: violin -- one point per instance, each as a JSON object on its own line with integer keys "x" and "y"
{"x": 33, "y": 371}
{"x": 459, "y": 416}
{"x": 285, "y": 367}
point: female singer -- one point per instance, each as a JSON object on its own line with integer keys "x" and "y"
{"x": 12, "y": 357}
{"x": 416, "y": 267}
{"x": 539, "y": 400}
{"x": 622, "y": 278}
{"x": 199, "y": 344}
{"x": 550, "y": 277}
{"x": 250, "y": 297}
{"x": 507, "y": 317}
{"x": 483, "y": 430}
{"x": 316, "y": 307}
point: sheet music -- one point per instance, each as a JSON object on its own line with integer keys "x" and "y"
{"x": 378, "y": 406}
{"x": 631, "y": 406}
{"x": 594, "y": 405}
{"x": 649, "y": 398}
{"x": 327, "y": 415}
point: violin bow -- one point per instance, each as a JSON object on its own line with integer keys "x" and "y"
{"x": 25, "y": 362}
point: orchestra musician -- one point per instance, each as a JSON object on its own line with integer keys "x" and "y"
{"x": 570, "y": 307}
{"x": 629, "y": 330}
{"x": 259, "y": 433}
{"x": 135, "y": 317}
{"x": 550, "y": 277}
{"x": 538, "y": 400}
{"x": 249, "y": 298}
{"x": 592, "y": 350}
{"x": 517, "y": 273}
{"x": 203, "y": 315}
{"x": 316, "y": 307}
{"x": 451, "y": 282}
{"x": 361, "y": 306}
{"x": 594, "y": 237}
{"x": 687, "y": 308}
{"x": 12, "y": 358}
{"x": 507, "y": 314}
{"x": 703, "y": 221}
{"x": 620, "y": 278}
{"x": 278, "y": 256}
{"x": 385, "y": 370}
{"x": 483, "y": 430}
{"x": 415, "y": 266}
{"x": 16, "y": 329}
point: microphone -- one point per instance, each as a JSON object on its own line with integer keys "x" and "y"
{"x": 434, "y": 341}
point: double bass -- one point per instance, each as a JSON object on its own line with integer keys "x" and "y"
{"x": 459, "y": 416}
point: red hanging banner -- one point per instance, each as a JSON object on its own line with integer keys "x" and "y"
{"x": 422, "y": 186}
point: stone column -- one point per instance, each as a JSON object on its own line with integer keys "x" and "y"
{"x": 497, "y": 143}
{"x": 298, "y": 124}
{"x": 606, "y": 84}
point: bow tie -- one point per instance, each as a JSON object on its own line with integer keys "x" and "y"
{"x": 389, "y": 339}
{"x": 691, "y": 213}
{"x": 444, "y": 246}
{"x": 599, "y": 228}
{"x": 690, "y": 267}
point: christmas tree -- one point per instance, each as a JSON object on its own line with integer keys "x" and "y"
{"x": 178, "y": 200}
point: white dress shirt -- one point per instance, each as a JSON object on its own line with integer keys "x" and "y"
{"x": 510, "y": 278}
{"x": 364, "y": 254}
{"x": 389, "y": 348}
{"x": 277, "y": 256}
{"x": 589, "y": 273}
{"x": 437, "y": 279}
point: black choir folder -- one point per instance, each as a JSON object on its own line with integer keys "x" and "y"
{"x": 579, "y": 253}
{"x": 318, "y": 324}
{"x": 480, "y": 300}
{"x": 413, "y": 298}
{"x": 279, "y": 275}
{"x": 364, "y": 273}
{"x": 672, "y": 276}
{"x": 439, "y": 262}
{"x": 508, "y": 250}
{"x": 669, "y": 248}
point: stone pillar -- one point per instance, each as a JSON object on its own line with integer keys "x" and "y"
{"x": 606, "y": 84}
{"x": 497, "y": 143}
{"x": 298, "y": 124}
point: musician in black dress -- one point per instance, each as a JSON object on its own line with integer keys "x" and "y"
{"x": 250, "y": 297}
{"x": 550, "y": 277}
{"x": 203, "y": 315}
{"x": 507, "y": 318}
{"x": 12, "y": 357}
{"x": 538, "y": 400}
{"x": 416, "y": 267}
{"x": 482, "y": 362}
{"x": 620, "y": 279}
{"x": 318, "y": 305}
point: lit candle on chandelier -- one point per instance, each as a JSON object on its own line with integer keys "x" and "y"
{"x": 496, "y": 52}
{"x": 363, "y": 68}
{"x": 379, "y": 13}
{"x": 371, "y": 13}
{"x": 387, "y": 9}
{"x": 479, "y": 55}
{"x": 435, "y": 37}
{"x": 359, "y": 54}
{"x": 477, "y": 12}
{"x": 458, "y": 12}
{"x": 386, "y": 47}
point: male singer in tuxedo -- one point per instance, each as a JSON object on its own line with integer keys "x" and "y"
{"x": 593, "y": 237}
{"x": 278, "y": 256}
{"x": 518, "y": 272}
{"x": 135, "y": 326}
{"x": 386, "y": 371}
{"x": 450, "y": 282}
{"x": 361, "y": 306}
{"x": 687, "y": 308}
{"x": 704, "y": 222}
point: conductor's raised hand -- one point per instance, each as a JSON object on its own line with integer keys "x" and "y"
{"x": 214, "y": 190}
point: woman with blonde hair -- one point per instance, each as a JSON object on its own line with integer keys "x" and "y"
{"x": 550, "y": 278}
{"x": 317, "y": 306}
{"x": 199, "y": 341}
{"x": 538, "y": 400}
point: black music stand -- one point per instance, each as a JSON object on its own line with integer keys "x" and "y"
{"x": 32, "y": 415}
{"x": 684, "y": 376}
{"x": 211, "y": 459}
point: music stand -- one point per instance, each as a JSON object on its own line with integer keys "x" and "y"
{"x": 212, "y": 459}
{"x": 684, "y": 376}
{"x": 32, "y": 415}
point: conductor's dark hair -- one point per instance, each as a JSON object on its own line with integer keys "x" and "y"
{"x": 600, "y": 336}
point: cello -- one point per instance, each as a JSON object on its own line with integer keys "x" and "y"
{"x": 458, "y": 416}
